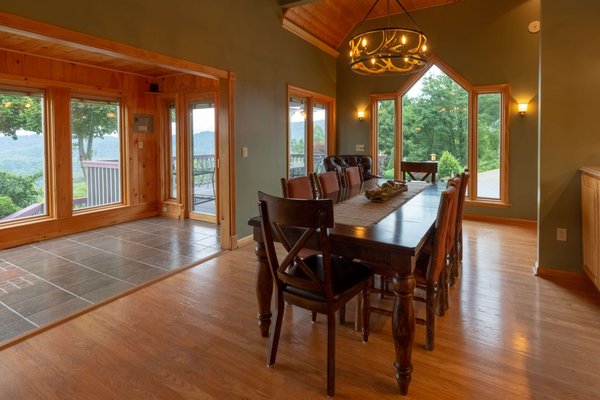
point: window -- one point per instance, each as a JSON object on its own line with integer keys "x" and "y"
{"x": 172, "y": 147}
{"x": 96, "y": 153}
{"x": 22, "y": 154}
{"x": 310, "y": 130}
{"x": 385, "y": 137}
{"x": 435, "y": 114}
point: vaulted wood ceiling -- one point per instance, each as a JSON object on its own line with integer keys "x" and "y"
{"x": 325, "y": 23}
{"x": 330, "y": 21}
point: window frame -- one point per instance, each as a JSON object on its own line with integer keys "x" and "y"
{"x": 123, "y": 133}
{"x": 311, "y": 98}
{"x": 473, "y": 92}
{"x": 48, "y": 148}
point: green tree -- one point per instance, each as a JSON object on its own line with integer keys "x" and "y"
{"x": 20, "y": 190}
{"x": 448, "y": 165}
{"x": 88, "y": 122}
{"x": 7, "y": 206}
{"x": 20, "y": 112}
{"x": 436, "y": 120}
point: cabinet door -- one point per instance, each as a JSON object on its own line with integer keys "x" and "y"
{"x": 590, "y": 225}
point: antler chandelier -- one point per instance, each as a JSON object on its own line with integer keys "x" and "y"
{"x": 388, "y": 50}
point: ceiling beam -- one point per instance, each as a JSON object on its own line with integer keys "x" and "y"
{"x": 294, "y": 3}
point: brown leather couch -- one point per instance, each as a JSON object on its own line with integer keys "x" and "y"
{"x": 339, "y": 162}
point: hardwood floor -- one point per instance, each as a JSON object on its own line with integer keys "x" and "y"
{"x": 507, "y": 335}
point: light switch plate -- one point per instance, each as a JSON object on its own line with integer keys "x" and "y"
{"x": 360, "y": 147}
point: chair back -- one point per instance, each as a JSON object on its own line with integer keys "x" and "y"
{"x": 462, "y": 193}
{"x": 352, "y": 175}
{"x": 328, "y": 182}
{"x": 419, "y": 170}
{"x": 437, "y": 260}
{"x": 451, "y": 237}
{"x": 298, "y": 188}
{"x": 293, "y": 223}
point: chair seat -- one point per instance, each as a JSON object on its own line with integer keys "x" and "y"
{"x": 346, "y": 276}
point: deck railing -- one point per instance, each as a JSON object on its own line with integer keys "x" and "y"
{"x": 103, "y": 182}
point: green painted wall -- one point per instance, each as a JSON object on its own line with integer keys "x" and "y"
{"x": 486, "y": 42}
{"x": 242, "y": 36}
{"x": 570, "y": 136}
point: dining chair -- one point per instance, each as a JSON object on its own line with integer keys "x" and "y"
{"x": 451, "y": 254}
{"x": 431, "y": 266}
{"x": 462, "y": 193}
{"x": 352, "y": 176}
{"x": 327, "y": 182}
{"x": 321, "y": 283}
{"x": 419, "y": 170}
{"x": 298, "y": 188}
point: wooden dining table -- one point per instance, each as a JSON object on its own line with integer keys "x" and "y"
{"x": 393, "y": 242}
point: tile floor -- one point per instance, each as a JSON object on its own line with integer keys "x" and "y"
{"x": 45, "y": 281}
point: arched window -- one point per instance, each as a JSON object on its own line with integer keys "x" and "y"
{"x": 438, "y": 115}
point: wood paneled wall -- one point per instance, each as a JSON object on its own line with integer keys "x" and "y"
{"x": 139, "y": 161}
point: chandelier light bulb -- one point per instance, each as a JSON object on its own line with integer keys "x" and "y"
{"x": 391, "y": 50}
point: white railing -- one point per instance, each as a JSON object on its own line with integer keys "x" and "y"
{"x": 103, "y": 182}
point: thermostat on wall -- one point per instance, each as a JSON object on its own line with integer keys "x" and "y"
{"x": 143, "y": 123}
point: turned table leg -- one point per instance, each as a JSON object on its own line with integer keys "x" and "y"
{"x": 403, "y": 328}
{"x": 264, "y": 289}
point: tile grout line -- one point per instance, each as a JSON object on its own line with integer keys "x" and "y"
{"x": 140, "y": 244}
{"x": 85, "y": 266}
{"x": 19, "y": 314}
{"x": 48, "y": 282}
{"x": 106, "y": 251}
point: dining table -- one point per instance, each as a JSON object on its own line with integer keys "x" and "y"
{"x": 391, "y": 234}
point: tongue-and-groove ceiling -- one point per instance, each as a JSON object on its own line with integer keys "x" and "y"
{"x": 324, "y": 23}
{"x": 330, "y": 21}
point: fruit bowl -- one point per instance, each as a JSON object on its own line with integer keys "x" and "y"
{"x": 386, "y": 191}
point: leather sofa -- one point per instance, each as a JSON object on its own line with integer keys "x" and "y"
{"x": 339, "y": 162}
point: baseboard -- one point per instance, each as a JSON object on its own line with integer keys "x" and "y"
{"x": 245, "y": 241}
{"x": 527, "y": 223}
{"x": 545, "y": 272}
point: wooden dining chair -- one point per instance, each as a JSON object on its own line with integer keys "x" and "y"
{"x": 451, "y": 254}
{"x": 352, "y": 176}
{"x": 327, "y": 182}
{"x": 431, "y": 266}
{"x": 298, "y": 188}
{"x": 321, "y": 283}
{"x": 419, "y": 170}
{"x": 462, "y": 193}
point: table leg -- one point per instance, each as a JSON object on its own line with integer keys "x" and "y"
{"x": 403, "y": 328}
{"x": 264, "y": 289}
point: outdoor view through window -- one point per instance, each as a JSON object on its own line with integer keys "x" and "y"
{"x": 22, "y": 160}
{"x": 435, "y": 126}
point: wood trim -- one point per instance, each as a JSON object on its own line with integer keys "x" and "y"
{"x": 503, "y": 90}
{"x": 35, "y": 29}
{"x": 374, "y": 133}
{"x": 301, "y": 33}
{"x": 554, "y": 273}
{"x": 310, "y": 97}
{"x": 227, "y": 163}
{"x": 245, "y": 241}
{"x": 501, "y": 220}
{"x": 34, "y": 230}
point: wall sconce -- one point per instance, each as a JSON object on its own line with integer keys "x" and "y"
{"x": 522, "y": 109}
{"x": 360, "y": 115}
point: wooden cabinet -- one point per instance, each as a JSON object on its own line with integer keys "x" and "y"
{"x": 590, "y": 215}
